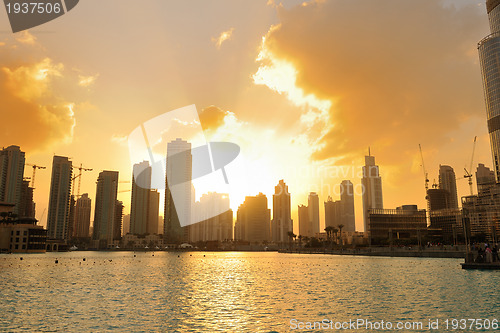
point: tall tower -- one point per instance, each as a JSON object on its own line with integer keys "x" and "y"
{"x": 282, "y": 213}
{"x": 58, "y": 216}
{"x": 313, "y": 209}
{"x": 489, "y": 51}
{"x": 372, "y": 188}
{"x": 11, "y": 176}
{"x": 178, "y": 194}
{"x": 448, "y": 182}
{"x": 253, "y": 219}
{"x": 139, "y": 205}
{"x": 82, "y": 216}
{"x": 106, "y": 207}
{"x": 347, "y": 199}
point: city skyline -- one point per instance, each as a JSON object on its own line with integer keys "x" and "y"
{"x": 91, "y": 123}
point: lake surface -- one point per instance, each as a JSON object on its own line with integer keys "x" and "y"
{"x": 234, "y": 291}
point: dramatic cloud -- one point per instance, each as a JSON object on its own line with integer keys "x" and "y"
{"x": 212, "y": 117}
{"x": 32, "y": 115}
{"x": 394, "y": 74}
{"x": 225, "y": 35}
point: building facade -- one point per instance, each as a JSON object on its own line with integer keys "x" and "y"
{"x": 82, "y": 216}
{"x": 11, "y": 176}
{"x": 253, "y": 220}
{"x": 139, "y": 204}
{"x": 178, "y": 191}
{"x": 58, "y": 215}
{"x": 372, "y": 189}
{"x": 282, "y": 222}
{"x": 489, "y": 51}
{"x": 105, "y": 223}
{"x": 448, "y": 182}
{"x": 313, "y": 209}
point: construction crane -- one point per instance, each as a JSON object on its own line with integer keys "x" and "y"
{"x": 468, "y": 173}
{"x": 79, "y": 176}
{"x": 426, "y": 175}
{"x": 34, "y": 166}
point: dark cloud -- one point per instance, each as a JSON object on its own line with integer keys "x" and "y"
{"x": 400, "y": 72}
{"x": 211, "y": 118}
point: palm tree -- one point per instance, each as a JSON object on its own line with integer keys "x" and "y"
{"x": 334, "y": 231}
{"x": 340, "y": 226}
{"x": 290, "y": 237}
{"x": 328, "y": 232}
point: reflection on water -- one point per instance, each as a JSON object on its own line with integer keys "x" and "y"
{"x": 217, "y": 291}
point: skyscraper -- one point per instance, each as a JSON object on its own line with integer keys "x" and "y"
{"x": 27, "y": 206}
{"x": 282, "y": 222}
{"x": 178, "y": 194}
{"x": 485, "y": 178}
{"x": 448, "y": 182}
{"x": 305, "y": 227}
{"x": 333, "y": 213}
{"x": 313, "y": 211}
{"x": 82, "y": 216}
{"x": 347, "y": 199}
{"x": 105, "y": 207}
{"x": 372, "y": 189}
{"x": 253, "y": 220}
{"x": 489, "y": 52}
{"x": 58, "y": 216}
{"x": 11, "y": 176}
{"x": 153, "y": 212}
{"x": 213, "y": 226}
{"x": 139, "y": 205}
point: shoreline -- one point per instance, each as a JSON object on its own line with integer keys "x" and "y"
{"x": 398, "y": 253}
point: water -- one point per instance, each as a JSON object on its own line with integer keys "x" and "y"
{"x": 233, "y": 291}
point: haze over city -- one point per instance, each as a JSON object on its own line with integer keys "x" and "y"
{"x": 299, "y": 108}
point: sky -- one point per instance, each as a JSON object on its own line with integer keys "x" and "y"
{"x": 304, "y": 88}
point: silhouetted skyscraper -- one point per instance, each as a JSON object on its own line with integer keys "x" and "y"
{"x": 347, "y": 199}
{"x": 253, "y": 220}
{"x": 177, "y": 185}
{"x": 105, "y": 221}
{"x": 489, "y": 52}
{"x": 313, "y": 208}
{"x": 11, "y": 176}
{"x": 282, "y": 213}
{"x": 82, "y": 216}
{"x": 305, "y": 226}
{"x": 372, "y": 189}
{"x": 485, "y": 178}
{"x": 448, "y": 182}
{"x": 213, "y": 226}
{"x": 58, "y": 217}
{"x": 27, "y": 206}
{"x": 153, "y": 212}
{"x": 139, "y": 204}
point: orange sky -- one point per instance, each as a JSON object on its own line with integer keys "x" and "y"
{"x": 304, "y": 89}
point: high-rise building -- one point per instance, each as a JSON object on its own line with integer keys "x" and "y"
{"x": 347, "y": 199}
{"x": 489, "y": 52}
{"x": 139, "y": 204}
{"x": 11, "y": 176}
{"x": 27, "y": 206}
{"x": 105, "y": 220}
{"x": 58, "y": 216}
{"x": 448, "y": 182}
{"x": 178, "y": 191}
{"x": 485, "y": 178}
{"x": 126, "y": 224}
{"x": 153, "y": 212}
{"x": 82, "y": 216}
{"x": 282, "y": 222}
{"x": 313, "y": 209}
{"x": 333, "y": 213}
{"x": 372, "y": 189}
{"x": 253, "y": 220}
{"x": 212, "y": 226}
{"x": 305, "y": 227}
{"x": 118, "y": 219}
